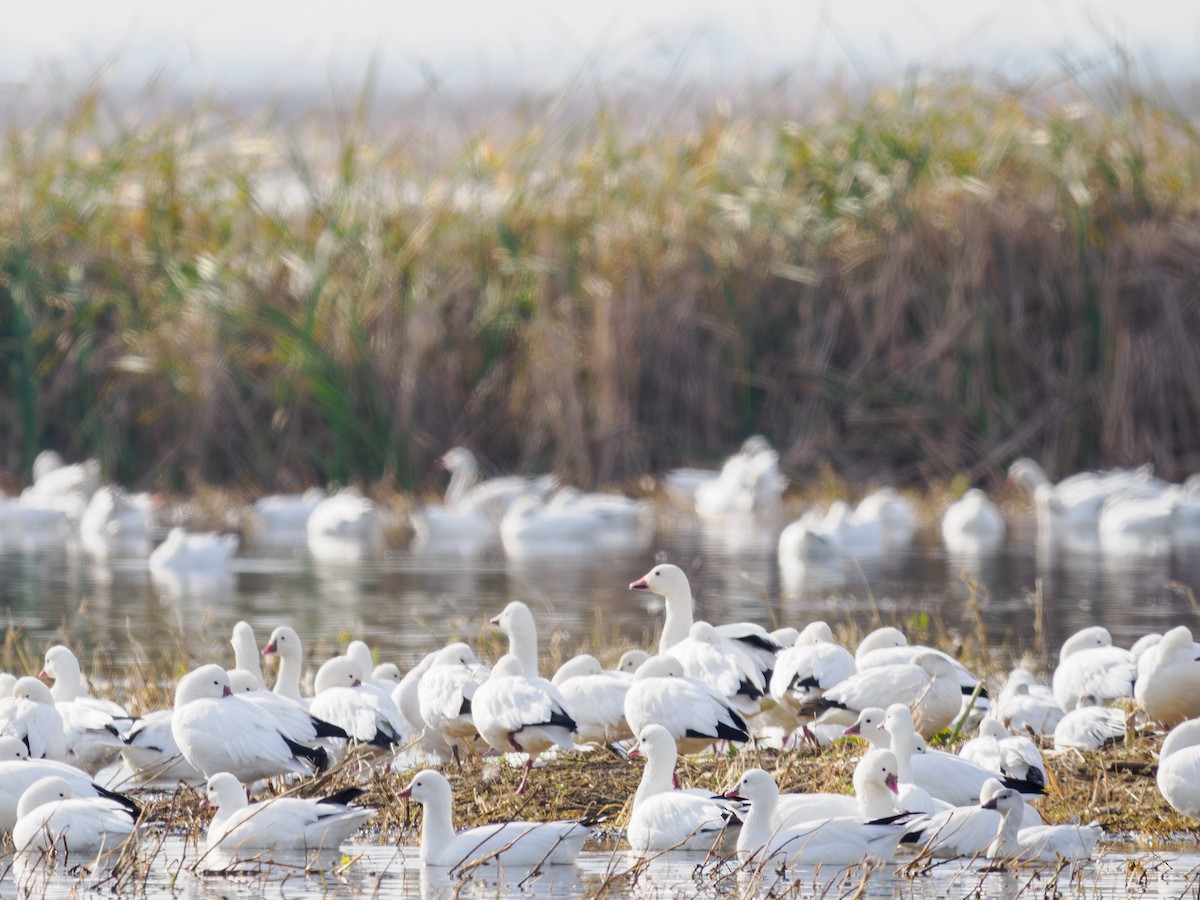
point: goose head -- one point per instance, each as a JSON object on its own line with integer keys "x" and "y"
{"x": 207, "y": 682}
{"x": 341, "y": 671}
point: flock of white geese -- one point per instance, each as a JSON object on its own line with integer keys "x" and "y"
{"x": 708, "y": 686}
{"x": 1115, "y": 511}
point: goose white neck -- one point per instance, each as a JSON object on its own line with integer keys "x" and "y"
{"x": 437, "y": 828}
{"x": 657, "y": 777}
{"x": 761, "y": 823}
{"x": 287, "y": 682}
{"x": 678, "y": 620}
{"x": 1007, "y": 842}
{"x": 875, "y": 801}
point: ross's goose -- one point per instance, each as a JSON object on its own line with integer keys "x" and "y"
{"x": 973, "y": 524}
{"x": 630, "y": 660}
{"x": 90, "y": 725}
{"x": 888, "y": 646}
{"x": 1168, "y": 681}
{"x": 445, "y": 694}
{"x": 1070, "y": 510}
{"x": 218, "y": 731}
{"x": 749, "y": 483}
{"x": 506, "y": 844}
{"x": 836, "y": 840}
{"x": 281, "y": 520}
{"x": 492, "y": 497}
{"x": 31, "y": 715}
{"x": 876, "y": 794}
{"x": 724, "y": 666}
{"x": 51, "y": 817}
{"x": 929, "y": 682}
{"x": 534, "y": 528}
{"x": 152, "y": 756}
{"x": 115, "y": 525}
{"x": 690, "y": 711}
{"x": 245, "y": 652}
{"x": 946, "y": 777}
{"x": 811, "y": 666}
{"x": 406, "y": 696}
{"x": 960, "y": 830}
{"x": 365, "y": 712}
{"x": 1139, "y": 521}
{"x": 1042, "y": 843}
{"x": 895, "y": 514}
{"x": 528, "y": 715}
{"x": 517, "y": 623}
{"x": 1179, "y": 768}
{"x": 1025, "y": 704}
{"x": 596, "y": 699}
{"x": 294, "y": 721}
{"x": 1089, "y": 726}
{"x": 204, "y": 553}
{"x": 345, "y": 527}
{"x": 665, "y": 819}
{"x": 671, "y": 583}
{"x": 284, "y": 644}
{"x": 1014, "y": 756}
{"x": 1088, "y": 663}
{"x": 18, "y": 772}
{"x": 810, "y": 540}
{"x": 282, "y": 823}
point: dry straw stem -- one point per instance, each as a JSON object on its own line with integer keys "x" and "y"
{"x": 923, "y": 279}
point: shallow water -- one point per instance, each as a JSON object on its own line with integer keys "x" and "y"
{"x": 390, "y": 872}
{"x": 409, "y": 603}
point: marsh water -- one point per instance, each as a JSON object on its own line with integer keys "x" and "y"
{"x": 1026, "y": 597}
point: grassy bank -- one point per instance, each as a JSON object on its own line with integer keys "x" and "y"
{"x": 929, "y": 279}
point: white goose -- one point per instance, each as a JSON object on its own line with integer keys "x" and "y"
{"x": 1039, "y": 844}
{"x": 282, "y": 823}
{"x": 1014, "y": 756}
{"x": 1025, "y": 704}
{"x": 1069, "y": 511}
{"x": 218, "y": 731}
{"x": 245, "y": 652}
{"x": 115, "y": 524}
{"x": 18, "y": 772}
{"x": 345, "y": 527}
{"x": 1088, "y": 663}
{"x": 31, "y": 715}
{"x": 876, "y": 794}
{"x": 948, "y": 778}
{"x": 811, "y": 666}
{"x": 91, "y": 732}
{"x": 284, "y": 644}
{"x": 895, "y": 514}
{"x": 281, "y": 520}
{"x": 152, "y": 756}
{"x": 51, "y": 816}
{"x": 929, "y": 682}
{"x": 445, "y": 693}
{"x": 665, "y": 819}
{"x": 1169, "y": 677}
{"x": 365, "y": 713}
{"x": 973, "y": 524}
{"x": 1090, "y": 726}
{"x": 528, "y": 715}
{"x": 837, "y": 840}
{"x": 506, "y": 844}
{"x": 888, "y": 646}
{"x": 204, "y": 553}
{"x": 596, "y": 699}
{"x": 671, "y": 583}
{"x": 749, "y": 483}
{"x": 406, "y": 696}
{"x": 691, "y": 712}
{"x": 1179, "y": 768}
{"x": 961, "y": 830}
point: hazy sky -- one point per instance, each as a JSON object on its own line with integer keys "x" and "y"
{"x": 272, "y": 44}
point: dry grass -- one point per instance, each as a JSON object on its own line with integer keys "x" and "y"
{"x": 909, "y": 283}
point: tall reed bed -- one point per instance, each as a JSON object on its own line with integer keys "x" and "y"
{"x": 930, "y": 279}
